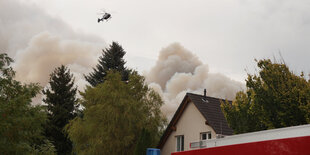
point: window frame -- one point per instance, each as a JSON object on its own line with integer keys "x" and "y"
{"x": 179, "y": 143}
{"x": 208, "y": 135}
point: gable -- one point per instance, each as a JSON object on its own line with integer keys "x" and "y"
{"x": 190, "y": 124}
{"x": 210, "y": 110}
{"x": 171, "y": 126}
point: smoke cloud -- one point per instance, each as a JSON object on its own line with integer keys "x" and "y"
{"x": 178, "y": 71}
{"x": 45, "y": 52}
{"x": 171, "y": 60}
{"x": 39, "y": 43}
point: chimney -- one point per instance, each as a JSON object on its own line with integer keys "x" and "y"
{"x": 204, "y": 98}
{"x": 205, "y": 93}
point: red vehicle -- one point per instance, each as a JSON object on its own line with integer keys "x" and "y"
{"x": 284, "y": 141}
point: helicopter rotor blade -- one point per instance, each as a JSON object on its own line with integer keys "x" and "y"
{"x": 103, "y": 10}
{"x": 109, "y": 11}
{"x": 112, "y": 12}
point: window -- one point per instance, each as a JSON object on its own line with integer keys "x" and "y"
{"x": 180, "y": 143}
{"x": 205, "y": 135}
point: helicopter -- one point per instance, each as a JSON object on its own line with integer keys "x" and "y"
{"x": 106, "y": 16}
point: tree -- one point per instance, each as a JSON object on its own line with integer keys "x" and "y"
{"x": 21, "y": 124}
{"x": 242, "y": 115}
{"x": 111, "y": 59}
{"x": 60, "y": 100}
{"x": 275, "y": 98}
{"x": 143, "y": 142}
{"x": 115, "y": 115}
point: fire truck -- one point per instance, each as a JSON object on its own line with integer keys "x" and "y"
{"x": 283, "y": 141}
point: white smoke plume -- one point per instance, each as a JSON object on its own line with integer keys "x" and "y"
{"x": 172, "y": 59}
{"x": 45, "y": 52}
{"x": 178, "y": 71}
{"x": 39, "y": 43}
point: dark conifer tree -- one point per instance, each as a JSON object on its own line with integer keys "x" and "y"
{"x": 60, "y": 100}
{"x": 111, "y": 59}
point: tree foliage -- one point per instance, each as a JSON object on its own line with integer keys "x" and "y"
{"x": 60, "y": 100}
{"x": 242, "y": 115}
{"x": 116, "y": 114}
{"x": 144, "y": 141}
{"x": 275, "y": 98}
{"x": 111, "y": 59}
{"x": 21, "y": 124}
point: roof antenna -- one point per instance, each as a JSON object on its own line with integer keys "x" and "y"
{"x": 204, "y": 98}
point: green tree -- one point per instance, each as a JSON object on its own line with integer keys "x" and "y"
{"x": 242, "y": 115}
{"x": 21, "y": 124}
{"x": 275, "y": 98}
{"x": 115, "y": 115}
{"x": 143, "y": 143}
{"x": 111, "y": 59}
{"x": 60, "y": 100}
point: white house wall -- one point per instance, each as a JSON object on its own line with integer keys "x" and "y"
{"x": 190, "y": 124}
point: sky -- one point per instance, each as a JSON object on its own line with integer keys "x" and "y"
{"x": 220, "y": 39}
{"x": 226, "y": 34}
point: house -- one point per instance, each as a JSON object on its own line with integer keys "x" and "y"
{"x": 198, "y": 118}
